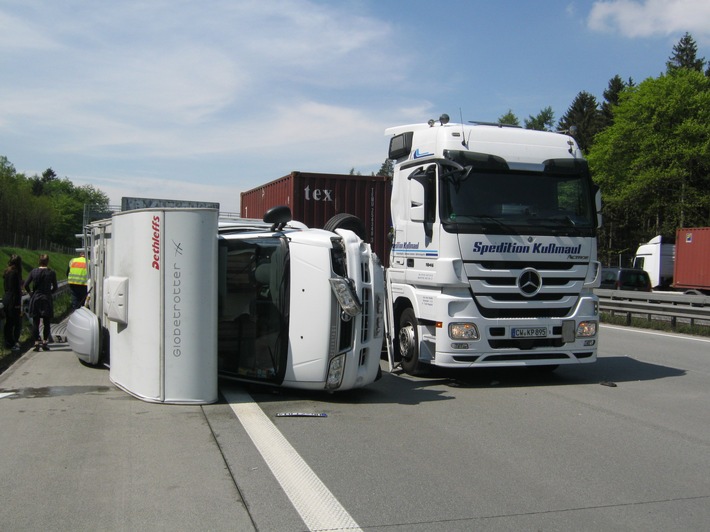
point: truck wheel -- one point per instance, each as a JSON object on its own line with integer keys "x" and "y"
{"x": 344, "y": 220}
{"x": 408, "y": 341}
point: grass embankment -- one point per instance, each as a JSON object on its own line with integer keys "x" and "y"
{"x": 30, "y": 259}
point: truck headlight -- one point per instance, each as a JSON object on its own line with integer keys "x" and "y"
{"x": 336, "y": 370}
{"x": 586, "y": 329}
{"x": 347, "y": 298}
{"x": 463, "y": 331}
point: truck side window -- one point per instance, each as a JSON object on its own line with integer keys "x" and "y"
{"x": 430, "y": 195}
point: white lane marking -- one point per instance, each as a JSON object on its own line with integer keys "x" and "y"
{"x": 314, "y": 502}
{"x": 656, "y": 333}
{"x": 7, "y": 394}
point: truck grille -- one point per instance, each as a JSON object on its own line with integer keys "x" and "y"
{"x": 366, "y": 318}
{"x": 365, "y": 272}
{"x": 498, "y": 291}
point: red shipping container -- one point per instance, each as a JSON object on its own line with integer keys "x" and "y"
{"x": 316, "y": 198}
{"x": 692, "y": 259}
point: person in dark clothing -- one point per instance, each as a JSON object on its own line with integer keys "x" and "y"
{"x": 12, "y": 302}
{"x": 41, "y": 284}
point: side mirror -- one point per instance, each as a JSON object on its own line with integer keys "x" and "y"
{"x": 278, "y": 216}
{"x": 598, "y": 202}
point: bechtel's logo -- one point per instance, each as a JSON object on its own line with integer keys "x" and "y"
{"x": 156, "y": 242}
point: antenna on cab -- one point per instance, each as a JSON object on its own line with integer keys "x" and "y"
{"x": 463, "y": 133}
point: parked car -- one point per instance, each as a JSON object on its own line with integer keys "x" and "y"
{"x": 625, "y": 279}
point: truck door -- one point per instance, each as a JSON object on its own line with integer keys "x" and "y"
{"x": 416, "y": 240}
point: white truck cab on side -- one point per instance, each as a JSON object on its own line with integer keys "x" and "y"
{"x": 298, "y": 307}
{"x": 494, "y": 254}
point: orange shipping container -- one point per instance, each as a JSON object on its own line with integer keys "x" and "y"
{"x": 692, "y": 259}
{"x": 315, "y": 198}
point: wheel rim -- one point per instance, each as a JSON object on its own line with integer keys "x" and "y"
{"x": 406, "y": 341}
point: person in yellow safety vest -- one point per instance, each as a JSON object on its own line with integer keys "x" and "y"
{"x": 77, "y": 278}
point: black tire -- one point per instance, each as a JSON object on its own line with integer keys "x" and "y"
{"x": 408, "y": 342}
{"x": 344, "y": 220}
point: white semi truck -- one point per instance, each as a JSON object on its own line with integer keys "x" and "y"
{"x": 494, "y": 253}
{"x": 657, "y": 258}
{"x": 179, "y": 297}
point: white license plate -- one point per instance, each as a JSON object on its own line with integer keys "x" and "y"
{"x": 529, "y": 332}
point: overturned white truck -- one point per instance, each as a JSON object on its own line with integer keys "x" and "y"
{"x": 178, "y": 298}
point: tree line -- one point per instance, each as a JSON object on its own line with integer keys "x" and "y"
{"x": 43, "y": 208}
{"x": 652, "y": 159}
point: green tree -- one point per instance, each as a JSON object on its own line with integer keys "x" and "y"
{"x": 509, "y": 119}
{"x": 611, "y": 99}
{"x": 685, "y": 56}
{"x": 43, "y": 207}
{"x": 48, "y": 175}
{"x": 584, "y": 115}
{"x": 543, "y": 121}
{"x": 653, "y": 163}
{"x": 387, "y": 168}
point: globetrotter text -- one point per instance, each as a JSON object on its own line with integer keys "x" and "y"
{"x": 177, "y": 311}
{"x": 156, "y": 242}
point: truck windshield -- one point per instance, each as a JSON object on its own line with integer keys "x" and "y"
{"x": 554, "y": 199}
{"x": 253, "y": 287}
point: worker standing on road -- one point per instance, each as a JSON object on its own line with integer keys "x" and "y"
{"x": 41, "y": 284}
{"x": 77, "y": 278}
{"x": 12, "y": 302}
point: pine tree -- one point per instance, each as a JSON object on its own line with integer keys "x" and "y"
{"x": 509, "y": 119}
{"x": 387, "y": 168}
{"x": 685, "y": 56}
{"x": 611, "y": 100}
{"x": 585, "y": 116}
{"x": 544, "y": 120}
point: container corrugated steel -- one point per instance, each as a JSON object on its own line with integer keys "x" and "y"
{"x": 692, "y": 258}
{"x": 315, "y": 198}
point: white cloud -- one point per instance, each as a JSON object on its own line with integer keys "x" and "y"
{"x": 205, "y": 99}
{"x": 187, "y": 79}
{"x": 646, "y": 18}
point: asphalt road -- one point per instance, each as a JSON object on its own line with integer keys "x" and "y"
{"x": 623, "y": 444}
{"x": 619, "y": 445}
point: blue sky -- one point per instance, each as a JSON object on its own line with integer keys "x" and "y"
{"x": 203, "y": 100}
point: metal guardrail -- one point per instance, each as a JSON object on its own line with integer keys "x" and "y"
{"x": 669, "y": 305}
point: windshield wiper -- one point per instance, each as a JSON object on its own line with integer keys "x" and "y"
{"x": 565, "y": 219}
{"x": 495, "y": 220}
{"x": 562, "y": 224}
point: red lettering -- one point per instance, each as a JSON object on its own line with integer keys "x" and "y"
{"x": 155, "y": 226}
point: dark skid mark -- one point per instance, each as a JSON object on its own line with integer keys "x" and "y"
{"x": 54, "y": 391}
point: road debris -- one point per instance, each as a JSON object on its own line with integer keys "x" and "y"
{"x": 301, "y": 414}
